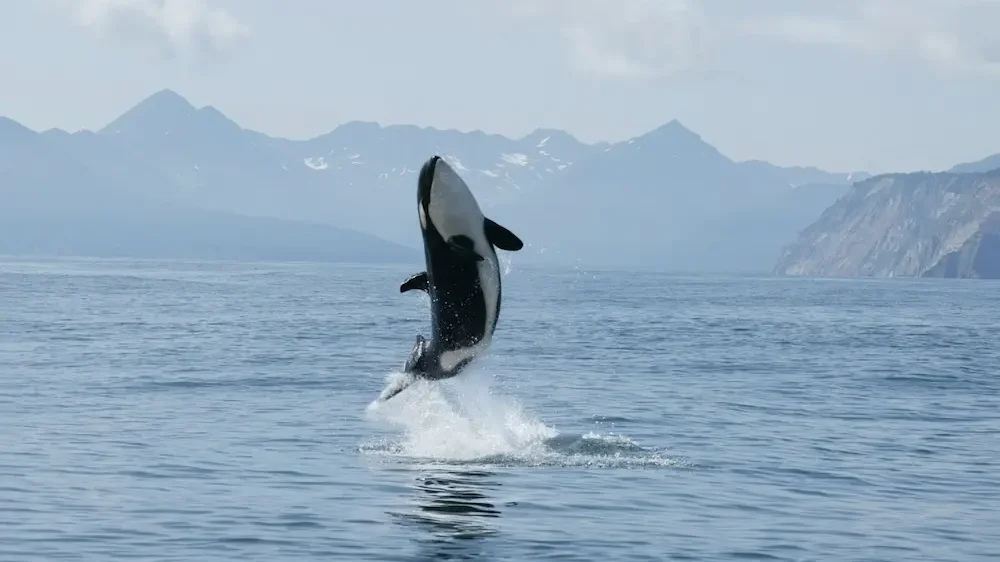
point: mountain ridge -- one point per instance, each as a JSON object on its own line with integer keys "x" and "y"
{"x": 74, "y": 194}
{"x": 665, "y": 198}
{"x": 169, "y": 100}
{"x": 360, "y": 176}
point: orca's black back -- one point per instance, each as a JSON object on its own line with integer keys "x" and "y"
{"x": 458, "y": 306}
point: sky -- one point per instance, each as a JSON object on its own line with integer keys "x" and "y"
{"x": 874, "y": 85}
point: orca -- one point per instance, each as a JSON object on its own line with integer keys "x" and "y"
{"x": 462, "y": 276}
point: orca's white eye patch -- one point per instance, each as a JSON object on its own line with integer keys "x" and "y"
{"x": 423, "y": 215}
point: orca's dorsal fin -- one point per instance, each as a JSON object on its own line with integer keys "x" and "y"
{"x": 501, "y": 237}
{"x": 415, "y": 362}
{"x": 416, "y": 281}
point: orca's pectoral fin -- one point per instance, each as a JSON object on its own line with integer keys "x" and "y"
{"x": 464, "y": 246}
{"x": 416, "y": 281}
{"x": 394, "y": 390}
{"x": 501, "y": 237}
{"x": 415, "y": 362}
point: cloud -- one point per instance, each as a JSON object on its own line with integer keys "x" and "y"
{"x": 951, "y": 34}
{"x": 185, "y": 28}
{"x": 627, "y": 39}
{"x": 656, "y": 39}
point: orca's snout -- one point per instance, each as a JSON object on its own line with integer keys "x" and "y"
{"x": 426, "y": 180}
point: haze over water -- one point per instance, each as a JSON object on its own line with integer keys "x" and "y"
{"x": 169, "y": 410}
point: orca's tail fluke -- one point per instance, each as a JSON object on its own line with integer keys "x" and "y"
{"x": 412, "y": 369}
{"x": 415, "y": 362}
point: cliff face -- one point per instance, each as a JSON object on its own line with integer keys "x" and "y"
{"x": 905, "y": 225}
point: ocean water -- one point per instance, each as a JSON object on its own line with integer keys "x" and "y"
{"x": 155, "y": 410}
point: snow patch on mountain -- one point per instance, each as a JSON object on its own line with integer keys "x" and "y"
{"x": 516, "y": 159}
{"x": 316, "y": 163}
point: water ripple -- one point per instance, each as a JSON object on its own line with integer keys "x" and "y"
{"x": 200, "y": 411}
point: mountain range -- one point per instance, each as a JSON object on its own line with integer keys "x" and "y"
{"x": 665, "y": 199}
{"x": 86, "y": 195}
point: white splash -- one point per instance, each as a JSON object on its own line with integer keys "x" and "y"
{"x": 463, "y": 420}
{"x": 505, "y": 262}
{"x": 472, "y": 424}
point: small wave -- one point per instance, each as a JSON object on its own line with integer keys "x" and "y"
{"x": 194, "y": 383}
{"x": 461, "y": 421}
{"x": 608, "y": 419}
{"x": 923, "y": 379}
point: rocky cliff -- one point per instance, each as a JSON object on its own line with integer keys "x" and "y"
{"x": 905, "y": 225}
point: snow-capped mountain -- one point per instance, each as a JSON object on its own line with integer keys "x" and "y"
{"x": 663, "y": 199}
{"x": 668, "y": 199}
{"x": 79, "y": 194}
{"x": 360, "y": 175}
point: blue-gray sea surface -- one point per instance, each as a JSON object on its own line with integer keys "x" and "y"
{"x": 219, "y": 411}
